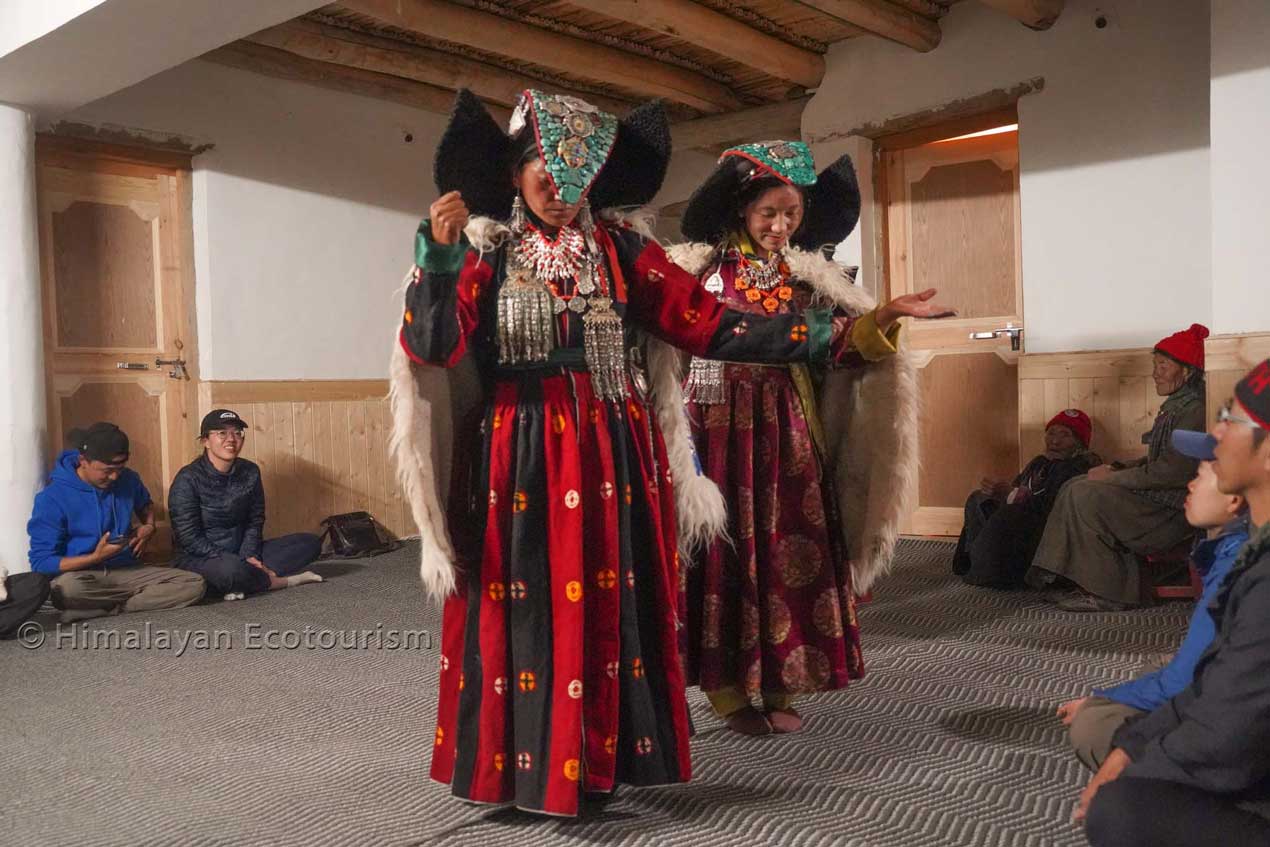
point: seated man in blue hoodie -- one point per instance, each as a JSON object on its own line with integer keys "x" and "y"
{"x": 82, "y": 535}
{"x": 1094, "y": 719}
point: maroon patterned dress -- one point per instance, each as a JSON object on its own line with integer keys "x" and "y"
{"x": 771, "y": 610}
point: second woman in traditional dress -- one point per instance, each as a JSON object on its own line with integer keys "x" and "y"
{"x": 771, "y": 608}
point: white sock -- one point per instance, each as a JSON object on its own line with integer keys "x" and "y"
{"x": 234, "y": 596}
{"x": 4, "y": 592}
{"x": 302, "y": 578}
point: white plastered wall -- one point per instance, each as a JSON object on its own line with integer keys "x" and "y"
{"x": 304, "y": 215}
{"x": 1241, "y": 181}
{"x": 1113, "y": 154}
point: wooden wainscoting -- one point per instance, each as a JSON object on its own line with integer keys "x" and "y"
{"x": 1228, "y": 358}
{"x": 322, "y": 447}
{"x": 1113, "y": 387}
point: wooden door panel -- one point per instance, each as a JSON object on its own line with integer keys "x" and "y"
{"x": 115, "y": 236}
{"x": 952, "y": 223}
{"x": 135, "y": 407}
{"x": 971, "y": 426}
{"x": 962, "y": 237}
{"x": 104, "y": 277}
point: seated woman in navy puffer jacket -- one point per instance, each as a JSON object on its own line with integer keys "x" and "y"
{"x": 217, "y": 508}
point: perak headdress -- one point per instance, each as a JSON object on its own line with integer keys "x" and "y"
{"x": 831, "y": 199}
{"x": 588, "y": 153}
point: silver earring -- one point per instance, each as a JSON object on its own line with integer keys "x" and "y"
{"x": 517, "y": 222}
{"x": 585, "y": 221}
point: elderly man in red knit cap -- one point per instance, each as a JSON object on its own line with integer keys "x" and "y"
{"x": 1101, "y": 523}
{"x": 1004, "y": 520}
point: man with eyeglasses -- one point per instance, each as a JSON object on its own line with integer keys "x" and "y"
{"x": 217, "y": 504}
{"x": 1197, "y": 769}
{"x": 83, "y": 538}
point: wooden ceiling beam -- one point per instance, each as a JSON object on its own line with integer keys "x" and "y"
{"x": 925, "y": 8}
{"x": 718, "y": 33}
{"x": 339, "y": 46}
{"x": 773, "y": 120}
{"x": 562, "y": 53}
{"x": 270, "y": 61}
{"x": 1037, "y": 14}
{"x": 885, "y": 19}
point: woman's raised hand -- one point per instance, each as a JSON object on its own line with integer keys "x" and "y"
{"x": 449, "y": 215}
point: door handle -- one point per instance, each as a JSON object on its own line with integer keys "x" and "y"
{"x": 1015, "y": 333}
{"x": 178, "y": 368}
{"x": 132, "y": 366}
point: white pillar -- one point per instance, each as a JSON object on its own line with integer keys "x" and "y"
{"x": 23, "y": 421}
{"x": 1238, "y": 125}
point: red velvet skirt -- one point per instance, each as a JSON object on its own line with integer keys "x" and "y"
{"x": 773, "y": 610}
{"x": 560, "y": 670}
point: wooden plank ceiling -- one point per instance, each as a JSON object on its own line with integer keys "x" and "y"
{"x": 726, "y": 69}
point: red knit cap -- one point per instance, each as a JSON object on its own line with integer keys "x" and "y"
{"x": 1075, "y": 420}
{"x": 1186, "y": 346}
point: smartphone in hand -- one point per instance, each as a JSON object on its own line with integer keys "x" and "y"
{"x": 122, "y": 539}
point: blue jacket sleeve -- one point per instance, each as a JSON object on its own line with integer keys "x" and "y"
{"x": 1147, "y": 693}
{"x": 48, "y": 533}
{"x": 1151, "y": 691}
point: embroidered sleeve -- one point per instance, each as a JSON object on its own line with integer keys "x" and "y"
{"x": 446, "y": 284}
{"x": 672, "y": 304}
{"x": 864, "y": 342}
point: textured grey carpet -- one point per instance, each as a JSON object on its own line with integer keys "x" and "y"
{"x": 950, "y": 740}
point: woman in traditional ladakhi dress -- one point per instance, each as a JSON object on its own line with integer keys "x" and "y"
{"x": 771, "y": 607}
{"x": 560, "y": 672}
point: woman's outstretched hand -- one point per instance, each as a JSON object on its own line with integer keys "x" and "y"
{"x": 917, "y": 305}
{"x": 449, "y": 215}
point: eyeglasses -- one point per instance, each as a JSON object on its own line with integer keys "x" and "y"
{"x": 228, "y": 434}
{"x": 1225, "y": 415}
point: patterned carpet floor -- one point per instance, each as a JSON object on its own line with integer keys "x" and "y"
{"x": 950, "y": 740}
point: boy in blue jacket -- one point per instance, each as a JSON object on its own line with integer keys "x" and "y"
{"x": 83, "y": 539}
{"x": 1094, "y": 719}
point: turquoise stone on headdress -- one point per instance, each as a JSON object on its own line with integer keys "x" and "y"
{"x": 574, "y": 140}
{"x": 789, "y": 160}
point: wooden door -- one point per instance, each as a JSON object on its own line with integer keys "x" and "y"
{"x": 115, "y": 252}
{"x": 952, "y": 223}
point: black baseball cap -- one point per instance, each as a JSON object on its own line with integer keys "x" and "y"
{"x": 101, "y": 442}
{"x": 220, "y": 419}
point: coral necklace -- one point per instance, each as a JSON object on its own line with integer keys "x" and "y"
{"x": 763, "y": 281}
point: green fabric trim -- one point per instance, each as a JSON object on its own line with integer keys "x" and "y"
{"x": 805, "y": 387}
{"x": 819, "y": 334}
{"x": 438, "y": 258}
